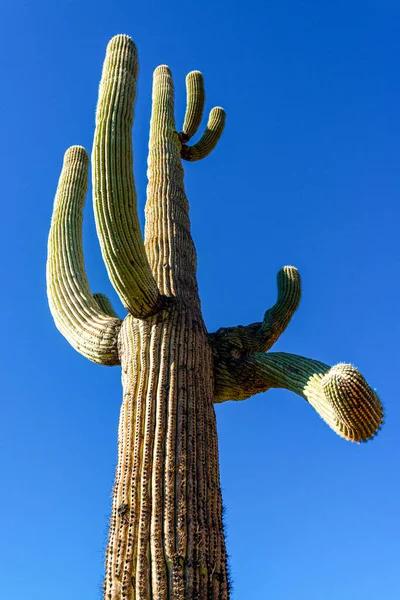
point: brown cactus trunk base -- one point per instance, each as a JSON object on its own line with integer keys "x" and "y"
{"x": 166, "y": 536}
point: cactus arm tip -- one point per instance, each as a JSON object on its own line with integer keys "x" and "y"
{"x": 160, "y": 69}
{"x": 357, "y": 410}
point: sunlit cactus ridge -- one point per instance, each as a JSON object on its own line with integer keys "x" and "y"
{"x": 166, "y": 538}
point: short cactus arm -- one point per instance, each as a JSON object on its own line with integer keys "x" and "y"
{"x": 209, "y": 139}
{"x": 194, "y": 105}
{"x": 235, "y": 342}
{"x": 115, "y": 203}
{"x": 339, "y": 394}
{"x": 168, "y": 242}
{"x": 88, "y": 328}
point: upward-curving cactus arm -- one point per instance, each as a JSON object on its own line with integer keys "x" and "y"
{"x": 339, "y": 394}
{"x": 209, "y": 139}
{"x": 260, "y": 337}
{"x": 88, "y": 328}
{"x": 194, "y": 111}
{"x": 194, "y": 105}
{"x": 113, "y": 183}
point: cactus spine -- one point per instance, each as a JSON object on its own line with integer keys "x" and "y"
{"x": 166, "y": 535}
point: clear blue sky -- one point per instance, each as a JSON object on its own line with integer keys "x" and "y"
{"x": 307, "y": 173}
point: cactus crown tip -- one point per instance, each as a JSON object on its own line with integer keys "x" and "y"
{"x": 77, "y": 148}
{"x": 345, "y": 371}
{"x": 357, "y": 406}
{"x": 194, "y": 73}
{"x": 76, "y": 152}
{"x": 122, "y": 42}
{"x": 288, "y": 270}
{"x": 121, "y": 37}
{"x": 162, "y": 69}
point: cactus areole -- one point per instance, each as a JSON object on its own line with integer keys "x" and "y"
{"x": 166, "y": 538}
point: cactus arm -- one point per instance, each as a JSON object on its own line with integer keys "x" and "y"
{"x": 209, "y": 139}
{"x": 105, "y": 305}
{"x": 114, "y": 194}
{"x": 339, "y": 394}
{"x": 194, "y": 105}
{"x": 259, "y": 337}
{"x": 277, "y": 318}
{"x": 88, "y": 328}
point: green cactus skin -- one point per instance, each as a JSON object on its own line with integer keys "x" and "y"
{"x": 209, "y": 139}
{"x": 78, "y": 316}
{"x": 166, "y": 536}
{"x": 233, "y": 342}
{"x": 113, "y": 184}
{"x": 195, "y": 105}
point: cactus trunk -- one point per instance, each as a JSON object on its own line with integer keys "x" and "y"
{"x": 166, "y": 535}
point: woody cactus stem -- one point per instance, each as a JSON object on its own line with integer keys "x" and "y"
{"x": 166, "y": 535}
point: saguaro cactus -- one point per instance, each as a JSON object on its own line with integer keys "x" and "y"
{"x": 166, "y": 537}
